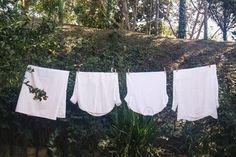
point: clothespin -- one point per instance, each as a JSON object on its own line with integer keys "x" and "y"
{"x": 80, "y": 66}
{"x": 128, "y": 71}
{"x": 113, "y": 70}
{"x": 164, "y": 69}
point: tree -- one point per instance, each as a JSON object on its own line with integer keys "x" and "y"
{"x": 148, "y": 15}
{"x": 223, "y": 13}
{"x": 205, "y": 19}
{"x": 134, "y": 6}
{"x": 157, "y": 17}
{"x": 125, "y": 14}
{"x": 7, "y": 6}
{"x": 182, "y": 19}
{"x": 97, "y": 14}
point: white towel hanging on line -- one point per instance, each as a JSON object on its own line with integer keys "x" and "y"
{"x": 54, "y": 83}
{"x": 195, "y": 93}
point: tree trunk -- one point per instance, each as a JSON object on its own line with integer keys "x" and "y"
{"x": 125, "y": 13}
{"x": 182, "y": 19}
{"x": 157, "y": 19}
{"x": 61, "y": 12}
{"x": 149, "y": 16}
{"x": 135, "y": 14}
{"x": 225, "y": 34}
{"x": 224, "y": 25}
{"x": 205, "y": 20}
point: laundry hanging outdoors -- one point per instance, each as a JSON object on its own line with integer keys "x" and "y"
{"x": 118, "y": 78}
{"x": 54, "y": 83}
{"x": 146, "y": 92}
{"x": 195, "y": 93}
{"x": 96, "y": 92}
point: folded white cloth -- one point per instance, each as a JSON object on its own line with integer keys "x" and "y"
{"x": 146, "y": 92}
{"x": 195, "y": 92}
{"x": 96, "y": 92}
{"x": 54, "y": 83}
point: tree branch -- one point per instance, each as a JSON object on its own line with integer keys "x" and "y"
{"x": 200, "y": 29}
{"x": 194, "y": 26}
{"x": 215, "y": 33}
{"x": 197, "y": 8}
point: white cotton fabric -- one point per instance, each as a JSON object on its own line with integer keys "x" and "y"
{"x": 146, "y": 92}
{"x": 96, "y": 92}
{"x": 195, "y": 93}
{"x": 54, "y": 83}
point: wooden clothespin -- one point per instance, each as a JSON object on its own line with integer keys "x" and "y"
{"x": 113, "y": 70}
{"x": 80, "y": 67}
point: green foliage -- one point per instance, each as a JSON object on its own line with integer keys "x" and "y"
{"x": 164, "y": 30}
{"x": 21, "y": 44}
{"x": 54, "y": 10}
{"x": 39, "y": 94}
{"x": 132, "y": 134}
{"x": 96, "y": 14}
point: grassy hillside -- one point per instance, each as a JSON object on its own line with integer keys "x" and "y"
{"x": 170, "y": 53}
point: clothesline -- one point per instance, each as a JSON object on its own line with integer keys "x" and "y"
{"x": 128, "y": 70}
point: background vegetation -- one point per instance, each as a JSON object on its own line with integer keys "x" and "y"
{"x": 42, "y": 40}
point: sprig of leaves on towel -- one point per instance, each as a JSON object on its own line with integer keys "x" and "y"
{"x": 39, "y": 94}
